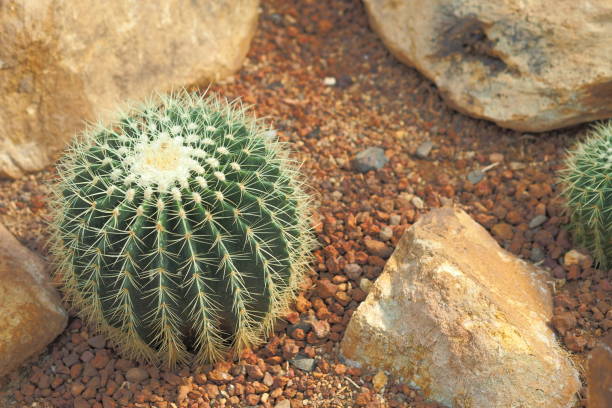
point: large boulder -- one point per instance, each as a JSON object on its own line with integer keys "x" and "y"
{"x": 63, "y": 62}
{"x": 462, "y": 319}
{"x": 31, "y": 314}
{"x": 526, "y": 65}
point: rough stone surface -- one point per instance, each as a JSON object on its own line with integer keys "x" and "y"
{"x": 372, "y": 158}
{"x": 32, "y": 315}
{"x": 63, "y": 62}
{"x": 462, "y": 319}
{"x": 599, "y": 374}
{"x": 512, "y": 62}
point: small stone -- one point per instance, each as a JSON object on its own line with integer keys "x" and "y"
{"x": 329, "y": 81}
{"x": 502, "y": 231}
{"x": 395, "y": 220}
{"x": 573, "y": 257}
{"x": 76, "y": 388}
{"x": 537, "y": 221}
{"x": 372, "y": 158}
{"x": 219, "y": 376}
{"x": 320, "y": 328}
{"x": 423, "y": 150}
{"x": 379, "y": 381}
{"x": 268, "y": 380}
{"x": 303, "y": 363}
{"x": 97, "y": 341}
{"x": 100, "y": 360}
{"x": 563, "y": 322}
{"x": 353, "y": 271}
{"x": 536, "y": 254}
{"x": 182, "y": 392}
{"x": 365, "y": 284}
{"x": 377, "y": 248}
{"x": 87, "y": 356}
{"x": 599, "y": 374}
{"x": 136, "y": 375}
{"x": 254, "y": 372}
{"x": 517, "y": 166}
{"x": 496, "y": 157}
{"x": 475, "y": 176}
{"x": 108, "y": 402}
{"x": 386, "y": 233}
{"x": 81, "y": 403}
{"x": 326, "y": 289}
{"x": 252, "y": 399}
{"x": 283, "y": 404}
{"x": 418, "y": 203}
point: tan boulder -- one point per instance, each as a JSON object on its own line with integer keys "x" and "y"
{"x": 63, "y": 62}
{"x": 513, "y": 62}
{"x": 30, "y": 309}
{"x": 462, "y": 319}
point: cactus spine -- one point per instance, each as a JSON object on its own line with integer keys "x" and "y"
{"x": 587, "y": 184}
{"x": 180, "y": 230}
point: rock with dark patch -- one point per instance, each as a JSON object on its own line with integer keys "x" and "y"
{"x": 463, "y": 320}
{"x": 64, "y": 62}
{"x": 372, "y": 158}
{"x": 31, "y": 314}
{"x": 303, "y": 363}
{"x": 515, "y": 63}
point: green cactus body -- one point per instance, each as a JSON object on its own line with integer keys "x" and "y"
{"x": 587, "y": 184}
{"x": 181, "y": 230}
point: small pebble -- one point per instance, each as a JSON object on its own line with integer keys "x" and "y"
{"x": 379, "y": 381}
{"x": 353, "y": 271}
{"x": 136, "y": 375}
{"x": 418, "y": 202}
{"x": 386, "y": 233}
{"x": 372, "y": 158}
{"x": 423, "y": 150}
{"x": 537, "y": 221}
{"x": 536, "y": 254}
{"x": 395, "y": 219}
{"x": 496, "y": 157}
{"x": 517, "y": 166}
{"x": 475, "y": 176}
{"x": 329, "y": 81}
{"x": 283, "y": 404}
{"x": 365, "y": 284}
{"x": 303, "y": 363}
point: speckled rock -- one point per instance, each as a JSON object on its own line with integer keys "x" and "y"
{"x": 513, "y": 62}
{"x": 63, "y": 62}
{"x": 32, "y": 314}
{"x": 599, "y": 374}
{"x": 477, "y": 335}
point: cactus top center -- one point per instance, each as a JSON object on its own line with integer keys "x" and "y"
{"x": 161, "y": 162}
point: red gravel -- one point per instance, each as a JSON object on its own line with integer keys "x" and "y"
{"x": 376, "y": 102}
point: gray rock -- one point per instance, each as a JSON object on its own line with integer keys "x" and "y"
{"x": 97, "y": 341}
{"x": 537, "y": 221}
{"x": 423, "y": 150}
{"x": 136, "y": 375}
{"x": 353, "y": 271}
{"x": 303, "y": 363}
{"x": 475, "y": 176}
{"x": 372, "y": 158}
{"x": 536, "y": 254}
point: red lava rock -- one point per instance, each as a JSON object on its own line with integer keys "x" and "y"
{"x": 502, "y": 231}
{"x": 86, "y": 357}
{"x": 302, "y": 304}
{"x": 575, "y": 343}
{"x": 377, "y": 248}
{"x": 76, "y": 388}
{"x": 100, "y": 360}
{"x": 212, "y": 390}
{"x": 254, "y": 372}
{"x": 252, "y": 399}
{"x": 81, "y": 403}
{"x": 97, "y": 341}
{"x": 182, "y": 392}
{"x": 108, "y": 402}
{"x": 136, "y": 375}
{"x": 326, "y": 289}
{"x": 340, "y": 369}
{"x": 219, "y": 376}
{"x": 563, "y": 322}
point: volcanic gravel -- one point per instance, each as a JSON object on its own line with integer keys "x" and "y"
{"x": 332, "y": 90}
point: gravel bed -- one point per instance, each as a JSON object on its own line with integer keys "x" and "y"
{"x": 332, "y": 90}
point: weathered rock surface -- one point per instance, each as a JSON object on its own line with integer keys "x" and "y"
{"x": 462, "y": 319}
{"x": 599, "y": 374}
{"x": 63, "y": 62}
{"x": 513, "y": 62}
{"x": 30, "y": 309}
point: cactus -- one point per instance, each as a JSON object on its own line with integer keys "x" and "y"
{"x": 180, "y": 231}
{"x": 587, "y": 182}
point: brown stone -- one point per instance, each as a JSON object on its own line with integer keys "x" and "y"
{"x": 32, "y": 311}
{"x": 502, "y": 231}
{"x": 326, "y": 289}
{"x": 599, "y": 374}
{"x": 477, "y": 330}
{"x": 56, "y": 72}
{"x": 527, "y": 65}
